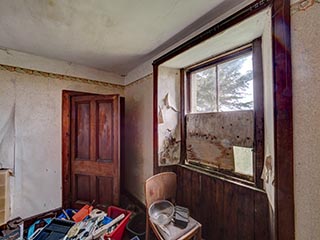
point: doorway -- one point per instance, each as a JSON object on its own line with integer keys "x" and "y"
{"x": 90, "y": 149}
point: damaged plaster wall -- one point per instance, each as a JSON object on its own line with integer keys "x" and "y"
{"x": 305, "y": 33}
{"x": 169, "y": 137}
{"x": 30, "y": 125}
{"x": 139, "y": 135}
{"x": 268, "y": 170}
{"x": 211, "y": 137}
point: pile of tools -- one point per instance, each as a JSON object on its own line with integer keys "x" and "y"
{"x": 86, "y": 224}
{"x": 92, "y": 227}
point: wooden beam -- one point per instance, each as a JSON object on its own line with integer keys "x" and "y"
{"x": 284, "y": 192}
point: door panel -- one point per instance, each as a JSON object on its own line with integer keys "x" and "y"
{"x": 103, "y": 186}
{"x": 95, "y": 165}
{"x": 104, "y": 131}
{"x": 82, "y": 183}
{"x": 82, "y": 130}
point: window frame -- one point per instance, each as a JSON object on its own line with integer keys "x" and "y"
{"x": 219, "y": 59}
{"x": 258, "y": 110}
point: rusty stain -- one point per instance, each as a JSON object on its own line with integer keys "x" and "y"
{"x": 51, "y": 3}
{"x": 206, "y": 138}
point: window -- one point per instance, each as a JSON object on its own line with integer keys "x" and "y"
{"x": 223, "y": 103}
{"x": 224, "y": 85}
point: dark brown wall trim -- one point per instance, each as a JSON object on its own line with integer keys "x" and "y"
{"x": 155, "y": 119}
{"x": 284, "y": 198}
{"x": 258, "y": 112}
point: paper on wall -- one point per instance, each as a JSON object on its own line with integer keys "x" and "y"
{"x": 268, "y": 178}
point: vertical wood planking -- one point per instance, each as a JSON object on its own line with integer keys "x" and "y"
{"x": 245, "y": 211}
{"x": 187, "y": 189}
{"x": 196, "y": 193}
{"x": 208, "y": 213}
{"x": 180, "y": 188}
{"x": 219, "y": 206}
{"x": 226, "y": 210}
{"x": 230, "y": 215}
{"x": 262, "y": 218}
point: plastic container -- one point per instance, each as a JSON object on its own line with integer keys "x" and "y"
{"x": 161, "y": 212}
{"x": 117, "y": 233}
{"x": 55, "y": 230}
{"x": 137, "y": 226}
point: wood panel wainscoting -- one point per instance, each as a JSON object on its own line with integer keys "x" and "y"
{"x": 226, "y": 210}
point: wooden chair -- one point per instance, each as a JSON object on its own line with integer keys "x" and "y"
{"x": 163, "y": 186}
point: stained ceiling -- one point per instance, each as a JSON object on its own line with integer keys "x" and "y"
{"x": 111, "y": 35}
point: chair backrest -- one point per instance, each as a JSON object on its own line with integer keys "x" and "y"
{"x": 162, "y": 186}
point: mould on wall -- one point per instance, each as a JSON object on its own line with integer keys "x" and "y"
{"x": 211, "y": 137}
{"x": 169, "y": 136}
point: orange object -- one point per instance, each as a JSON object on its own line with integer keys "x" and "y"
{"x": 83, "y": 212}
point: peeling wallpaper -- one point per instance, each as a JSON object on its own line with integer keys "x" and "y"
{"x": 169, "y": 132}
{"x": 305, "y": 32}
{"x": 138, "y": 163}
{"x": 30, "y": 130}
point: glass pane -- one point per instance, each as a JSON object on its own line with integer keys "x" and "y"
{"x": 203, "y": 90}
{"x": 243, "y": 160}
{"x": 235, "y": 80}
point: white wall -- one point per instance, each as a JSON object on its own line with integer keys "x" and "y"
{"x": 139, "y": 135}
{"x": 305, "y": 32}
{"x": 30, "y": 111}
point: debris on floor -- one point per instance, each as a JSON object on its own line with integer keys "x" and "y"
{"x": 85, "y": 224}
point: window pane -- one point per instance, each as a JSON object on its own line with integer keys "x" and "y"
{"x": 203, "y": 90}
{"x": 235, "y": 80}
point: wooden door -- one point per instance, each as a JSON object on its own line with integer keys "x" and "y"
{"x": 94, "y": 161}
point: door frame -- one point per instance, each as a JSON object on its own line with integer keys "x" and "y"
{"x": 66, "y": 142}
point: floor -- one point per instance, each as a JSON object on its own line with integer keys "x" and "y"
{"x": 127, "y": 203}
